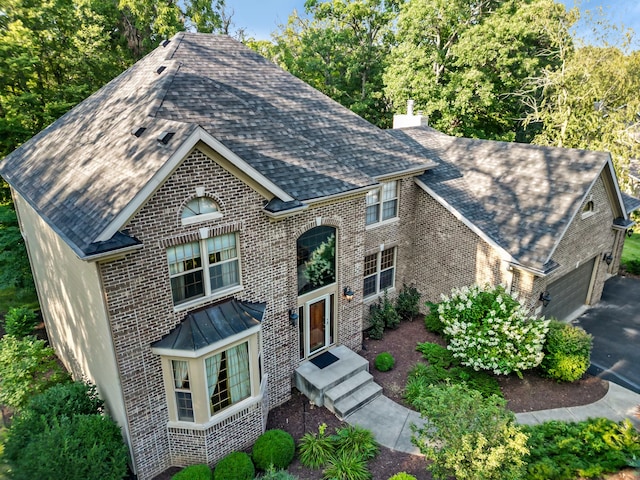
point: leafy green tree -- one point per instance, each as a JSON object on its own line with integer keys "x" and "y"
{"x": 460, "y": 61}
{"x": 14, "y": 261}
{"x": 469, "y": 436}
{"x": 148, "y": 22}
{"x": 340, "y": 51}
{"x": 52, "y": 55}
{"x": 591, "y": 102}
{"x": 27, "y": 368}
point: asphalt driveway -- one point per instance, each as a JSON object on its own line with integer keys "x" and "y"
{"x": 615, "y": 325}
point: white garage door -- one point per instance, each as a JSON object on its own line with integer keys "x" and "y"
{"x": 569, "y": 292}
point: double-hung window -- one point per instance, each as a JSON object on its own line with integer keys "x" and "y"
{"x": 379, "y": 272}
{"x": 203, "y": 268}
{"x": 382, "y": 203}
{"x": 228, "y": 377}
{"x": 182, "y": 389}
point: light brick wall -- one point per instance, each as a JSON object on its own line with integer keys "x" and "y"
{"x": 448, "y": 254}
{"x": 585, "y": 239}
{"x": 141, "y": 310}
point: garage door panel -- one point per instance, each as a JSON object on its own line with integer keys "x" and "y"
{"x": 569, "y": 292}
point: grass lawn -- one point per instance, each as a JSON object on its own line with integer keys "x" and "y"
{"x": 12, "y": 297}
{"x": 631, "y": 248}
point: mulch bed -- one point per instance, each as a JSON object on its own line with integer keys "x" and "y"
{"x": 532, "y": 392}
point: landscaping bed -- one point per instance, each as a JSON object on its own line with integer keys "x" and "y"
{"x": 531, "y": 393}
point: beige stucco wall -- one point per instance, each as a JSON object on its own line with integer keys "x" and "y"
{"x": 73, "y": 308}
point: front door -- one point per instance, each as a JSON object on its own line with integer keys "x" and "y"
{"x": 318, "y": 324}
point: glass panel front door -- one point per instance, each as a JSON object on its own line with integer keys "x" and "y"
{"x": 318, "y": 324}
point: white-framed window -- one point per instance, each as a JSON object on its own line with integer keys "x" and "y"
{"x": 382, "y": 203}
{"x": 215, "y": 384}
{"x": 228, "y": 377}
{"x": 588, "y": 209}
{"x": 199, "y": 209}
{"x": 379, "y": 272}
{"x": 182, "y": 390}
{"x": 203, "y": 268}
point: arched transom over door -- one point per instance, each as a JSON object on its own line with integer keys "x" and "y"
{"x": 316, "y": 276}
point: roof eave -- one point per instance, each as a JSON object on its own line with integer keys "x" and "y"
{"x": 198, "y": 135}
{"x": 414, "y": 171}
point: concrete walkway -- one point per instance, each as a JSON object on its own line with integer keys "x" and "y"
{"x": 391, "y": 423}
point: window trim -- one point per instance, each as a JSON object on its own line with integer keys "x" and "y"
{"x": 198, "y": 379}
{"x": 586, "y": 211}
{"x": 381, "y": 203}
{"x": 378, "y": 273}
{"x": 201, "y": 217}
{"x": 205, "y": 266}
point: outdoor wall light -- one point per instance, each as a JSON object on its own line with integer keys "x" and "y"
{"x": 630, "y": 232}
{"x": 545, "y": 298}
{"x": 348, "y": 293}
{"x": 608, "y": 258}
{"x": 293, "y": 318}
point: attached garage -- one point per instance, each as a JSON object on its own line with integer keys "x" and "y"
{"x": 569, "y": 292}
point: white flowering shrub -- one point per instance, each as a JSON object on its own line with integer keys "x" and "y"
{"x": 488, "y": 329}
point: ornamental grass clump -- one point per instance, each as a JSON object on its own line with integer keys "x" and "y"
{"x": 488, "y": 329}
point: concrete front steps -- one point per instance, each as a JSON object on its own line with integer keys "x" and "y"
{"x": 343, "y": 387}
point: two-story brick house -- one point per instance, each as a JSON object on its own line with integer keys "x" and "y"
{"x": 206, "y": 222}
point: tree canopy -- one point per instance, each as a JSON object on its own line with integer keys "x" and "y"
{"x": 460, "y": 61}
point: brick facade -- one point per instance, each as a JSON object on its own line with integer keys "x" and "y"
{"x": 141, "y": 310}
{"x": 435, "y": 252}
{"x": 574, "y": 251}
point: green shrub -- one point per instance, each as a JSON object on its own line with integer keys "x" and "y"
{"x": 27, "y": 368}
{"x": 278, "y": 475}
{"x": 402, "y": 476}
{"x": 235, "y": 466}
{"x": 63, "y": 400}
{"x": 194, "y": 472}
{"x": 422, "y": 376}
{"x": 376, "y": 322}
{"x": 20, "y": 322}
{"x": 315, "y": 449}
{"x": 432, "y": 320}
{"x": 273, "y": 474}
{"x": 274, "y": 448}
{"x": 468, "y": 436}
{"x": 384, "y": 362}
{"x": 66, "y": 400}
{"x": 632, "y": 266}
{"x": 407, "y": 302}
{"x": 567, "y": 352}
{"x": 77, "y": 448}
{"x": 356, "y": 441}
{"x": 589, "y": 449}
{"x": 346, "y": 466}
{"x": 437, "y": 355}
{"x": 487, "y": 329}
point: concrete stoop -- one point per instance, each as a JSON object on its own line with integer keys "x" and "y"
{"x": 342, "y": 387}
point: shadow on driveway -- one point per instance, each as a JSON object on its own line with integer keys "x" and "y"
{"x": 615, "y": 325}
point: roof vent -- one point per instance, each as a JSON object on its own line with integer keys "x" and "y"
{"x": 138, "y": 131}
{"x": 165, "y": 43}
{"x": 165, "y": 137}
{"x": 161, "y": 69}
